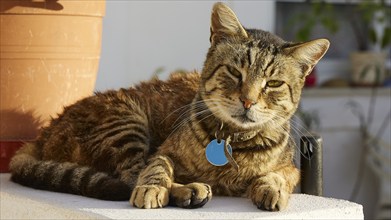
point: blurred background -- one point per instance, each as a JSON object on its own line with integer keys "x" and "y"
{"x": 141, "y": 38}
{"x": 346, "y": 99}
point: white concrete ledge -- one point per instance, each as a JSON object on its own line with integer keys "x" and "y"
{"x": 18, "y": 202}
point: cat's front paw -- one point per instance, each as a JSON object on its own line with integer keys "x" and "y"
{"x": 193, "y": 195}
{"x": 270, "y": 194}
{"x": 270, "y": 198}
{"x": 149, "y": 197}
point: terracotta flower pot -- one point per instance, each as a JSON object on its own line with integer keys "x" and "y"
{"x": 49, "y": 56}
{"x": 368, "y": 68}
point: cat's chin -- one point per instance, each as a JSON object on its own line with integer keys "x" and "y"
{"x": 243, "y": 119}
{"x": 242, "y": 122}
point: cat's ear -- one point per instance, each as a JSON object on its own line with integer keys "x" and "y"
{"x": 224, "y": 23}
{"x": 308, "y": 54}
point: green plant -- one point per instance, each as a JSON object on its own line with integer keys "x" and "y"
{"x": 369, "y": 139}
{"x": 321, "y": 13}
{"x": 377, "y": 70}
{"x": 371, "y": 23}
{"x": 370, "y": 20}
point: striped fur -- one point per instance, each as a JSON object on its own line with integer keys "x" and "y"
{"x": 147, "y": 143}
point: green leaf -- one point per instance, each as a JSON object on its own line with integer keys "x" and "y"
{"x": 372, "y": 35}
{"x": 386, "y": 40}
{"x": 317, "y": 7}
{"x": 158, "y": 71}
{"x": 303, "y": 34}
{"x": 378, "y": 74}
{"x": 330, "y": 24}
{"x": 364, "y": 71}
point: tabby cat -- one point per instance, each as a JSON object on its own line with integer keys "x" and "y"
{"x": 149, "y": 143}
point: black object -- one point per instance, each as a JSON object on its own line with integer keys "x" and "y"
{"x": 311, "y": 165}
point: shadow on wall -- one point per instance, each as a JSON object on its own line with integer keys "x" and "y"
{"x": 16, "y": 128}
{"x": 46, "y": 4}
{"x": 17, "y": 125}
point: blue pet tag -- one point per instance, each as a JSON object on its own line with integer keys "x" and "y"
{"x": 215, "y": 152}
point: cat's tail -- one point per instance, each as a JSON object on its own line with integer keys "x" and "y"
{"x": 27, "y": 169}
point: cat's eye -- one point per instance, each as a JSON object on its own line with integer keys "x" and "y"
{"x": 274, "y": 83}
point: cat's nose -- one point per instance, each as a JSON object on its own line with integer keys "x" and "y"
{"x": 247, "y": 103}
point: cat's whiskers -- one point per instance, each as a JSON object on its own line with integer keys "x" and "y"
{"x": 181, "y": 108}
{"x": 200, "y": 108}
{"x": 290, "y": 136}
{"x": 196, "y": 105}
{"x": 296, "y": 127}
{"x": 187, "y": 108}
{"x": 176, "y": 110}
{"x": 305, "y": 132}
{"x": 189, "y": 119}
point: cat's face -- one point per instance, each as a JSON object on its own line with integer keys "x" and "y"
{"x": 252, "y": 78}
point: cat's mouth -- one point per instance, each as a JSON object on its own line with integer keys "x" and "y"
{"x": 243, "y": 118}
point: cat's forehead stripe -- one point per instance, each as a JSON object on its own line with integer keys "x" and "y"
{"x": 269, "y": 60}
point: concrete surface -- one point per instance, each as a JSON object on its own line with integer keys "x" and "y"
{"x": 18, "y": 202}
